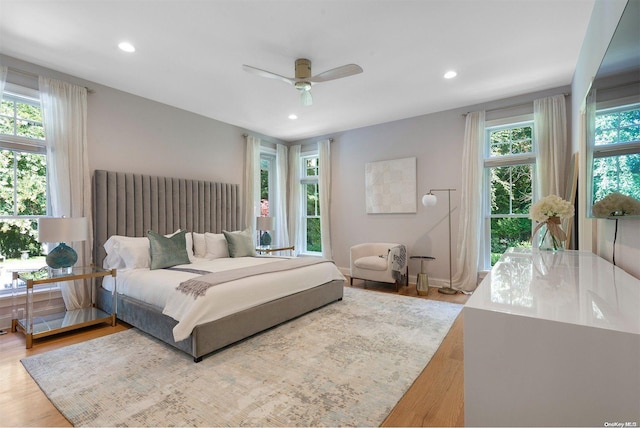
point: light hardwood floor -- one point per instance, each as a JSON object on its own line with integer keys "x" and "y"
{"x": 434, "y": 399}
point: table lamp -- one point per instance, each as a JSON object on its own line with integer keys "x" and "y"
{"x": 264, "y": 224}
{"x": 62, "y": 230}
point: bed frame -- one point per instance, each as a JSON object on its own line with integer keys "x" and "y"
{"x": 130, "y": 204}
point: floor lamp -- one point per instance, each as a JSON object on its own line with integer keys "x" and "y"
{"x": 430, "y": 200}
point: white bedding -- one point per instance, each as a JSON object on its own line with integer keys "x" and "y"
{"x": 158, "y": 288}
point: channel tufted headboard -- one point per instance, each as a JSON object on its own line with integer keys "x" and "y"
{"x": 131, "y": 204}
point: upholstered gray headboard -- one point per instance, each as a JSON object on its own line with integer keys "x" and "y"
{"x": 131, "y": 204}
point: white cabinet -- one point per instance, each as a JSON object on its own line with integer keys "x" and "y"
{"x": 553, "y": 339}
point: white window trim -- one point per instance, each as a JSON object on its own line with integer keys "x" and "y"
{"x": 270, "y": 156}
{"x": 609, "y": 150}
{"x": 498, "y": 161}
{"x": 305, "y": 179}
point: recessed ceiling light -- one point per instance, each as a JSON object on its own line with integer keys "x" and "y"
{"x": 293, "y": 116}
{"x": 127, "y": 47}
{"x": 450, "y": 74}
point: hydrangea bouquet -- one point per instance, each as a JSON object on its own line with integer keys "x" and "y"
{"x": 616, "y": 204}
{"x": 547, "y": 212}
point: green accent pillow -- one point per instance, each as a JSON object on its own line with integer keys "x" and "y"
{"x": 167, "y": 252}
{"x": 240, "y": 243}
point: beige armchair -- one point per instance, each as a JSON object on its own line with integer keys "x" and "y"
{"x": 381, "y": 262}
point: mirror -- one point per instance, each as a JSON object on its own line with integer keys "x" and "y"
{"x": 613, "y": 124}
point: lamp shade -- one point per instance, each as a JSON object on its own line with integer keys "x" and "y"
{"x": 63, "y": 229}
{"x": 429, "y": 200}
{"x": 264, "y": 223}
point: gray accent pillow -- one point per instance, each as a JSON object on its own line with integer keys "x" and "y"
{"x": 240, "y": 243}
{"x": 167, "y": 252}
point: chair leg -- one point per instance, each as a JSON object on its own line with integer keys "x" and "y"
{"x": 351, "y": 281}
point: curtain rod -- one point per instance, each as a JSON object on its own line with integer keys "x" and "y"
{"x": 509, "y": 106}
{"x": 30, "y": 74}
{"x": 246, "y": 135}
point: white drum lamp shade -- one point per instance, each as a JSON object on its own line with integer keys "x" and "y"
{"x": 62, "y": 230}
{"x": 264, "y": 223}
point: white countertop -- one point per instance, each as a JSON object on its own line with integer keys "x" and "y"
{"x": 575, "y": 287}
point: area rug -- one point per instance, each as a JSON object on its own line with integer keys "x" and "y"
{"x": 346, "y": 364}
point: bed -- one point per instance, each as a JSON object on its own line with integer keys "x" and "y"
{"x": 128, "y": 205}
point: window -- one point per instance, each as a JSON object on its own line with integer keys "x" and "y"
{"x": 509, "y": 164}
{"x": 23, "y": 183}
{"x": 267, "y": 175}
{"x": 616, "y": 152}
{"x": 311, "y": 210}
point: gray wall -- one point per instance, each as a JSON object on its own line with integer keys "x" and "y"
{"x": 436, "y": 140}
{"x": 132, "y": 134}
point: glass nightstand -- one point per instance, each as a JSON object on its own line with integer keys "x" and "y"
{"x": 35, "y": 327}
{"x": 268, "y": 249}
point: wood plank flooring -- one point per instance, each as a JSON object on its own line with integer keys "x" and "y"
{"x": 434, "y": 399}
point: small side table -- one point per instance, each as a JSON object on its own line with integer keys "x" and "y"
{"x": 268, "y": 249}
{"x": 35, "y": 327}
{"x": 422, "y": 279}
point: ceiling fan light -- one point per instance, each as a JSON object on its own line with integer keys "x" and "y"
{"x": 303, "y": 86}
{"x": 305, "y": 98}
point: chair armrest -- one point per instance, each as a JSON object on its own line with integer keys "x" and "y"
{"x": 371, "y": 249}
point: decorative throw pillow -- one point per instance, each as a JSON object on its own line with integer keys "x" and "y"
{"x": 167, "y": 252}
{"x": 240, "y": 243}
{"x": 216, "y": 246}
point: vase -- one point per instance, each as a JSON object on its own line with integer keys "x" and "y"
{"x": 549, "y": 237}
{"x": 265, "y": 239}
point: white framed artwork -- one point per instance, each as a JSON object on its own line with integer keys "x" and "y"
{"x": 391, "y": 186}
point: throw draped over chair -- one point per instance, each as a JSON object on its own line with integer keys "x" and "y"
{"x": 381, "y": 262}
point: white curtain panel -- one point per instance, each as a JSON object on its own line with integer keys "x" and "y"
{"x": 295, "y": 202}
{"x": 3, "y": 80}
{"x": 470, "y": 224}
{"x": 252, "y": 184}
{"x": 324, "y": 190}
{"x": 280, "y": 203}
{"x": 64, "y": 111}
{"x": 550, "y": 130}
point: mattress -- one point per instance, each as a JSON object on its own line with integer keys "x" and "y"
{"x": 158, "y": 288}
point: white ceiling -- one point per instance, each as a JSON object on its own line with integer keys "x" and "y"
{"x": 190, "y": 53}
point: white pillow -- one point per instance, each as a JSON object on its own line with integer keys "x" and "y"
{"x": 216, "y": 246}
{"x": 126, "y": 252}
{"x": 199, "y": 245}
{"x": 135, "y": 253}
{"x": 188, "y": 237}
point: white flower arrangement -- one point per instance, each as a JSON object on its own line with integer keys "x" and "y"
{"x": 550, "y": 206}
{"x": 547, "y": 212}
{"x": 616, "y": 204}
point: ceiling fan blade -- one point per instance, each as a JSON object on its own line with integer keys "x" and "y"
{"x": 305, "y": 98}
{"x": 268, "y": 74}
{"x": 336, "y": 73}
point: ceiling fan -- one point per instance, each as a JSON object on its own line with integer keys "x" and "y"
{"x": 304, "y": 80}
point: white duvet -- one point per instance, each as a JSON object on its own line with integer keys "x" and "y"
{"x": 158, "y": 288}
